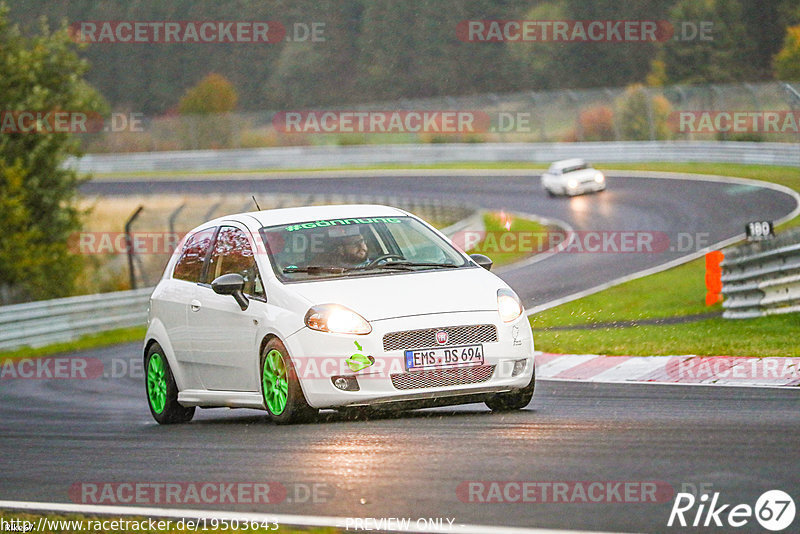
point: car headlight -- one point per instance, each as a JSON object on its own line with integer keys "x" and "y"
{"x": 572, "y": 183}
{"x": 336, "y": 319}
{"x": 508, "y": 305}
{"x": 599, "y": 178}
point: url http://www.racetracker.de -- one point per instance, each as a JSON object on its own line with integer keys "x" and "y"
{"x": 46, "y": 524}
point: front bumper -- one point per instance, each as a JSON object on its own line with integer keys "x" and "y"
{"x": 591, "y": 186}
{"x": 320, "y": 356}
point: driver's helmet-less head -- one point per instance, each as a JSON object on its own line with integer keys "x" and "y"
{"x": 348, "y": 245}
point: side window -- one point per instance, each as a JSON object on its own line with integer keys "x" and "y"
{"x": 190, "y": 265}
{"x": 233, "y": 254}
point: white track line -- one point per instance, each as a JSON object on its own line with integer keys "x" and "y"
{"x": 684, "y": 259}
{"x": 632, "y": 367}
{"x": 267, "y": 174}
{"x": 281, "y": 519}
{"x": 563, "y": 363}
{"x": 686, "y": 384}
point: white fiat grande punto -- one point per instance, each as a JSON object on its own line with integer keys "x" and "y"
{"x": 299, "y": 309}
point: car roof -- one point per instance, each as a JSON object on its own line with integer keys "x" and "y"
{"x": 311, "y": 213}
{"x": 564, "y": 163}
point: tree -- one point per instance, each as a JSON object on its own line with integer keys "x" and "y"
{"x": 641, "y": 116}
{"x": 765, "y": 24}
{"x": 553, "y": 65}
{"x": 723, "y": 56}
{"x": 379, "y": 50}
{"x": 787, "y": 61}
{"x": 206, "y": 108}
{"x": 320, "y": 71}
{"x": 411, "y": 50}
{"x": 545, "y": 62}
{"x": 597, "y": 124}
{"x": 38, "y": 210}
{"x": 212, "y": 94}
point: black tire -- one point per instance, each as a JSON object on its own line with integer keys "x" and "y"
{"x": 550, "y": 193}
{"x": 172, "y": 412}
{"x": 513, "y": 400}
{"x": 296, "y": 409}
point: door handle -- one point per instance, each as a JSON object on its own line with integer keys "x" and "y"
{"x": 195, "y": 305}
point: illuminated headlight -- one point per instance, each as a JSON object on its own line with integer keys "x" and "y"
{"x": 336, "y": 319}
{"x": 572, "y": 183}
{"x": 508, "y": 305}
{"x": 599, "y": 178}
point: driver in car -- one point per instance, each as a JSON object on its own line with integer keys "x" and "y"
{"x": 349, "y": 248}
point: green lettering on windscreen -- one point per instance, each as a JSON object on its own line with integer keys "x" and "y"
{"x": 341, "y": 222}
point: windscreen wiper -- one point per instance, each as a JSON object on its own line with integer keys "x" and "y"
{"x": 315, "y": 269}
{"x": 407, "y": 264}
{"x": 331, "y": 269}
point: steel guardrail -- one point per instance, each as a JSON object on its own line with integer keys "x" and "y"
{"x": 762, "y": 278}
{"x": 784, "y": 154}
{"x": 49, "y": 321}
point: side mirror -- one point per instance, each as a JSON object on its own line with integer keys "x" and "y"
{"x": 231, "y": 284}
{"x": 482, "y": 260}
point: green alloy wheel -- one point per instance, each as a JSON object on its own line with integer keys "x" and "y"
{"x": 283, "y": 396}
{"x": 156, "y": 383}
{"x": 275, "y": 382}
{"x": 162, "y": 392}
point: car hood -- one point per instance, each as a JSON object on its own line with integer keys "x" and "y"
{"x": 403, "y": 294}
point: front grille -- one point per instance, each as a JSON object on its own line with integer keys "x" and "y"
{"x": 456, "y": 335}
{"x": 442, "y": 377}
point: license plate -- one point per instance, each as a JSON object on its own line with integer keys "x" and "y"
{"x": 443, "y": 358}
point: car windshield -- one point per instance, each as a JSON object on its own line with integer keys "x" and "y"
{"x": 355, "y": 247}
{"x": 574, "y": 168}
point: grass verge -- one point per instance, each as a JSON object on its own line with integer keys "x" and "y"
{"x": 762, "y": 337}
{"x": 673, "y": 293}
{"x": 384, "y": 166}
{"x": 492, "y": 246}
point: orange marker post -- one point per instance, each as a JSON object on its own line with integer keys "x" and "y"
{"x": 713, "y": 277}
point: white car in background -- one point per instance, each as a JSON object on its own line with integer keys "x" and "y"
{"x": 572, "y": 177}
{"x": 294, "y": 310}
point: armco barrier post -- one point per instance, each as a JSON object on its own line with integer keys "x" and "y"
{"x": 713, "y": 277}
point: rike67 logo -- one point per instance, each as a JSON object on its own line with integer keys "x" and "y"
{"x": 774, "y": 510}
